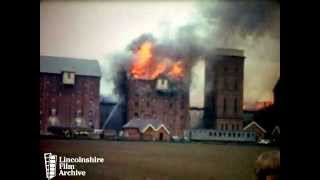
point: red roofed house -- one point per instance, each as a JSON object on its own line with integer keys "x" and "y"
{"x": 145, "y": 129}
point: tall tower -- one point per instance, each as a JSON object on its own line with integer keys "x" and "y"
{"x": 224, "y": 89}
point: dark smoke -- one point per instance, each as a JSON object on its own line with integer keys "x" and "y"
{"x": 228, "y": 24}
{"x": 242, "y": 18}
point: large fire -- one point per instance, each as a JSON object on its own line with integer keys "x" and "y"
{"x": 146, "y": 66}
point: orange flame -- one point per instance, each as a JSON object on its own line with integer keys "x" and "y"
{"x": 177, "y": 70}
{"x": 146, "y": 67}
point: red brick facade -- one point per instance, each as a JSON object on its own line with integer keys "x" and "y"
{"x": 172, "y": 109}
{"x": 224, "y": 91}
{"x": 159, "y": 135}
{"x": 132, "y": 134}
{"x": 148, "y": 135}
{"x": 68, "y": 99}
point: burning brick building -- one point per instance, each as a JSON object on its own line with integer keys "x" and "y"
{"x": 158, "y": 90}
{"x": 69, "y": 92}
{"x": 160, "y": 99}
{"x": 224, "y": 89}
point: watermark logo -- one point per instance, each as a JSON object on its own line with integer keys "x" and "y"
{"x": 67, "y": 166}
{"x": 50, "y": 162}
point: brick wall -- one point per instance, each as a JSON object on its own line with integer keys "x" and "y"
{"x": 132, "y": 134}
{"x": 224, "y": 91}
{"x": 67, "y": 100}
{"x": 144, "y": 101}
{"x": 151, "y": 135}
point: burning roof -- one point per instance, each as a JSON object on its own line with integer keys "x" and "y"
{"x": 146, "y": 65}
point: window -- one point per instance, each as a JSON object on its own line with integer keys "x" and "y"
{"x": 68, "y": 78}
{"x": 222, "y": 126}
{"x": 235, "y": 106}
{"x": 248, "y": 135}
{"x": 226, "y": 84}
{"x": 225, "y": 69}
{"x": 226, "y": 127}
{"x": 210, "y": 133}
{"x": 224, "y": 105}
{"x": 182, "y": 105}
{"x": 237, "y": 126}
{"x": 136, "y": 115}
{"x": 136, "y": 103}
{"x": 148, "y": 104}
{"x": 232, "y": 127}
{"x": 235, "y": 85}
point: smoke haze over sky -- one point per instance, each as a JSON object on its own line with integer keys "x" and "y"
{"x": 102, "y": 30}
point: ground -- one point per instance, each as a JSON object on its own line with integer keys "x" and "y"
{"x": 153, "y": 161}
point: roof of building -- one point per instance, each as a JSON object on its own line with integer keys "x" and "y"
{"x": 56, "y": 65}
{"x": 256, "y": 124}
{"x": 144, "y": 124}
{"x": 229, "y": 52}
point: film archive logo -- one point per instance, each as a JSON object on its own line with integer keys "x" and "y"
{"x": 67, "y": 166}
{"x": 50, "y": 162}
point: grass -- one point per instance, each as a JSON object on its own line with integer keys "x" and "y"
{"x": 153, "y": 161}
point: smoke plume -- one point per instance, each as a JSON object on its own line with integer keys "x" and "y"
{"x": 253, "y": 26}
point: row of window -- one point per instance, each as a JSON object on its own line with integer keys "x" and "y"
{"x": 182, "y": 104}
{"x": 235, "y": 105}
{"x": 231, "y": 134}
{"x": 54, "y": 112}
{"x": 136, "y": 115}
{"x": 228, "y": 126}
{"x": 226, "y": 69}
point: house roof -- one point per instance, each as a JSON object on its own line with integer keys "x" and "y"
{"x": 56, "y": 65}
{"x": 256, "y": 124}
{"x": 277, "y": 128}
{"x": 144, "y": 124}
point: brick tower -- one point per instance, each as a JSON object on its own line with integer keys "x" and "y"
{"x": 224, "y": 89}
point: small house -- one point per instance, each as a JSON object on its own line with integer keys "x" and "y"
{"x": 145, "y": 129}
{"x": 255, "y": 127}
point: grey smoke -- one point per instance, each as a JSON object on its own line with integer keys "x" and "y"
{"x": 253, "y": 26}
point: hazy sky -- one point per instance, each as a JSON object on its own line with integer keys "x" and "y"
{"x": 94, "y": 30}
